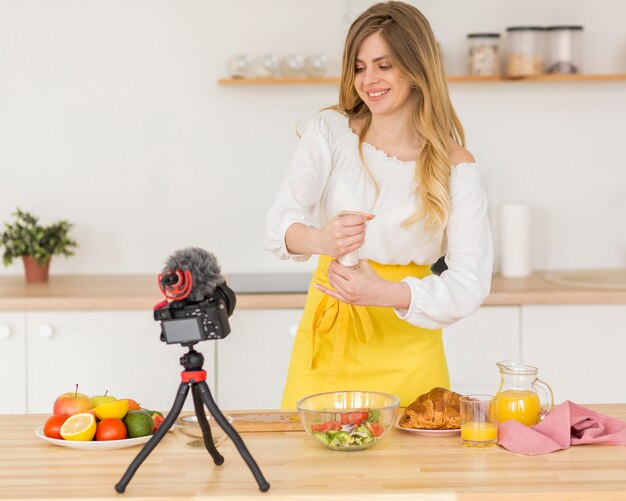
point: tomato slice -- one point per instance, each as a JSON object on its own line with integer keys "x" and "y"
{"x": 334, "y": 425}
{"x": 355, "y": 418}
{"x": 359, "y": 417}
{"x": 158, "y": 421}
{"x": 376, "y": 429}
{"x": 324, "y": 427}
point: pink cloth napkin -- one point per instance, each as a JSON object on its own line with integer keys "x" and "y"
{"x": 567, "y": 424}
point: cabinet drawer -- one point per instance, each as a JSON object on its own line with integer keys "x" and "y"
{"x": 253, "y": 360}
{"x": 12, "y": 362}
{"x": 579, "y": 350}
{"x": 118, "y": 351}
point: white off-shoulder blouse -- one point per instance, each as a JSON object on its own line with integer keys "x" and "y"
{"x": 326, "y": 177}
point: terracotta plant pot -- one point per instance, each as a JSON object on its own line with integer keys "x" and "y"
{"x": 35, "y": 272}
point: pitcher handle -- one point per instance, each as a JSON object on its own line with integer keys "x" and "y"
{"x": 546, "y": 407}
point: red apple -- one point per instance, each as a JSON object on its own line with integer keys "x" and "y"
{"x": 72, "y": 403}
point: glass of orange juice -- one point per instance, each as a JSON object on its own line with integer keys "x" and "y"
{"x": 479, "y": 427}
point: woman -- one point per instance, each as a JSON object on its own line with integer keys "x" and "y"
{"x": 383, "y": 173}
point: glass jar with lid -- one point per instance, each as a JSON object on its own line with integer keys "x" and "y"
{"x": 564, "y": 54}
{"x": 525, "y": 51}
{"x": 483, "y": 54}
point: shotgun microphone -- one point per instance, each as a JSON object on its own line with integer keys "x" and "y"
{"x": 195, "y": 292}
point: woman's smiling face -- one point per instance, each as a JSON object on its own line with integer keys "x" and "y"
{"x": 377, "y": 80}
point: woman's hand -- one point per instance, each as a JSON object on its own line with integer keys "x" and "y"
{"x": 343, "y": 234}
{"x": 364, "y": 287}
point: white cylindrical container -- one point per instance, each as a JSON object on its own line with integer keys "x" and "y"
{"x": 564, "y": 49}
{"x": 514, "y": 229}
{"x": 525, "y": 51}
{"x": 483, "y": 58}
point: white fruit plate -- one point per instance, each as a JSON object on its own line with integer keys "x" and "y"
{"x": 93, "y": 445}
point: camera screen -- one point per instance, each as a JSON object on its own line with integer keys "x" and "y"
{"x": 182, "y": 330}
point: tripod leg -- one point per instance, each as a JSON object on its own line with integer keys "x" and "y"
{"x": 179, "y": 401}
{"x": 207, "y": 398}
{"x": 218, "y": 459}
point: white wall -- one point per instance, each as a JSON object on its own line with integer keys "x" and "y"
{"x": 111, "y": 117}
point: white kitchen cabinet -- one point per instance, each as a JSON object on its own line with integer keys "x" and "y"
{"x": 474, "y": 345}
{"x": 119, "y": 351}
{"x": 253, "y": 360}
{"x": 12, "y": 363}
{"x": 579, "y": 350}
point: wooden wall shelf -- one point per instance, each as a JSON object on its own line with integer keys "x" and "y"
{"x": 451, "y": 79}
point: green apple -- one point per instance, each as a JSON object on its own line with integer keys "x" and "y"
{"x": 102, "y": 399}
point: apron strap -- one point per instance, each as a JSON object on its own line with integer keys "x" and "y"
{"x": 337, "y": 317}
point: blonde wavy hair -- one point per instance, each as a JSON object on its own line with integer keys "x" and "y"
{"x": 413, "y": 49}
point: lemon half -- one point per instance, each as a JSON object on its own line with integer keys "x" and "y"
{"x": 80, "y": 427}
{"x": 117, "y": 409}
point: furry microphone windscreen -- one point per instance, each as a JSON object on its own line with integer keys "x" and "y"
{"x": 203, "y": 267}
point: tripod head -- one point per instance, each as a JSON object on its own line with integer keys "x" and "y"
{"x": 192, "y": 360}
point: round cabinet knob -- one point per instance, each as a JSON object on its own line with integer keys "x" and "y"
{"x": 46, "y": 331}
{"x": 293, "y": 330}
{"x": 5, "y": 332}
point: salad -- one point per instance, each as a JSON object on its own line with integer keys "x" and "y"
{"x": 350, "y": 429}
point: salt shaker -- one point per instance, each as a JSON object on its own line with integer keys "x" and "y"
{"x": 350, "y": 260}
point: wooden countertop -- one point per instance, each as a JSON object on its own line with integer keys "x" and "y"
{"x": 134, "y": 292}
{"x": 402, "y": 466}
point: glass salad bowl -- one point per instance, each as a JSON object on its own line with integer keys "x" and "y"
{"x": 348, "y": 420}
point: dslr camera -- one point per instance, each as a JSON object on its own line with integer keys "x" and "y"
{"x": 188, "y": 322}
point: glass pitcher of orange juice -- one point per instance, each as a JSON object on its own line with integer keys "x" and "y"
{"x": 522, "y": 395}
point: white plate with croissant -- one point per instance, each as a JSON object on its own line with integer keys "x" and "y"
{"x": 434, "y": 413}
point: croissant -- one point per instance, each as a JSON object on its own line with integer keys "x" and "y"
{"x": 439, "y": 409}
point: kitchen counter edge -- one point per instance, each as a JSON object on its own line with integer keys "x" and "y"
{"x": 136, "y": 292}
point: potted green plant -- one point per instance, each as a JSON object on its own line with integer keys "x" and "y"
{"x": 35, "y": 244}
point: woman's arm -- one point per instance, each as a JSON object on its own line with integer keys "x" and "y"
{"x": 343, "y": 234}
{"x": 434, "y": 301}
{"x": 363, "y": 286}
{"x": 438, "y": 301}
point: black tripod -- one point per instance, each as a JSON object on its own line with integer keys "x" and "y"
{"x": 195, "y": 377}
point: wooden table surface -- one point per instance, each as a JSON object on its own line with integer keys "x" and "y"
{"x": 133, "y": 292}
{"x": 402, "y": 466}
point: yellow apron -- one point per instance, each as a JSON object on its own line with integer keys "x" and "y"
{"x": 344, "y": 347}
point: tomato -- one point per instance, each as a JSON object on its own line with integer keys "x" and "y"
{"x": 333, "y": 425}
{"x": 376, "y": 429}
{"x": 346, "y": 418}
{"x": 52, "y": 428}
{"x": 359, "y": 417}
{"x": 354, "y": 417}
{"x": 324, "y": 427}
{"x": 158, "y": 420}
{"x": 111, "y": 429}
